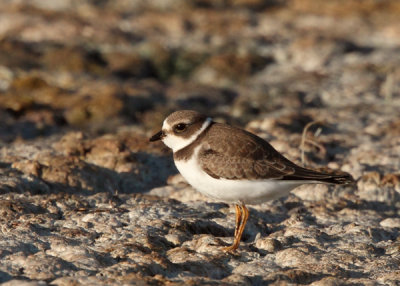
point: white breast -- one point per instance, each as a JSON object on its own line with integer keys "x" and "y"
{"x": 246, "y": 191}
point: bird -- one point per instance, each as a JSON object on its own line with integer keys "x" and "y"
{"x": 232, "y": 165}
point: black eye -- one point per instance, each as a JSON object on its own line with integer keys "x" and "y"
{"x": 180, "y": 127}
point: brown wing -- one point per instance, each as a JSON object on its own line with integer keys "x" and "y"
{"x": 233, "y": 153}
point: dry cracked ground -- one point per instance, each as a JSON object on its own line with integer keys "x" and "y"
{"x": 85, "y": 199}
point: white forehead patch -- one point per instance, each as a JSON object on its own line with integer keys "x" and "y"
{"x": 176, "y": 143}
{"x": 165, "y": 125}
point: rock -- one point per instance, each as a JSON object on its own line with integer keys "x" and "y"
{"x": 312, "y": 192}
{"x": 328, "y": 281}
{"x": 24, "y": 283}
{"x": 390, "y": 222}
{"x": 292, "y": 257}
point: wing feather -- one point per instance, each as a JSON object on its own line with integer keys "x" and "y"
{"x": 241, "y": 155}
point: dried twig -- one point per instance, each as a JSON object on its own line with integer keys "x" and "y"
{"x": 316, "y": 144}
{"x": 304, "y": 139}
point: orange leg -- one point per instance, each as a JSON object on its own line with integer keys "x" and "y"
{"x": 241, "y": 220}
{"x": 238, "y": 218}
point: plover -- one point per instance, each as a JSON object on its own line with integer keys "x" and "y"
{"x": 232, "y": 165}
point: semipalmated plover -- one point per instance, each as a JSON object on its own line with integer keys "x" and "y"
{"x": 232, "y": 165}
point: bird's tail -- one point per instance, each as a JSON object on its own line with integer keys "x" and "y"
{"x": 325, "y": 176}
{"x": 339, "y": 179}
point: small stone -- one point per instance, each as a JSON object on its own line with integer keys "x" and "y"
{"x": 173, "y": 238}
{"x": 312, "y": 192}
{"x": 292, "y": 257}
{"x": 268, "y": 244}
{"x": 16, "y": 282}
{"x": 328, "y": 281}
{"x": 390, "y": 222}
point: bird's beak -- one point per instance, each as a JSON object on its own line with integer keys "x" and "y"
{"x": 158, "y": 136}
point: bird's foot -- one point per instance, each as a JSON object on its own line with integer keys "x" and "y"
{"x": 231, "y": 248}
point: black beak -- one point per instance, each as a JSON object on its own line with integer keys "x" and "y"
{"x": 158, "y": 136}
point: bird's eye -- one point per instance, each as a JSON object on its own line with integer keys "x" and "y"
{"x": 180, "y": 127}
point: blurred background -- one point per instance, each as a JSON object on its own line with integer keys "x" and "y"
{"x": 101, "y": 65}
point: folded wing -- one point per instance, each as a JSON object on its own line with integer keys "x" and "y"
{"x": 241, "y": 155}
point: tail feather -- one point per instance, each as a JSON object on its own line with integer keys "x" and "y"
{"x": 339, "y": 178}
{"x": 344, "y": 179}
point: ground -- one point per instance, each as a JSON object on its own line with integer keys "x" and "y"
{"x": 86, "y": 199}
